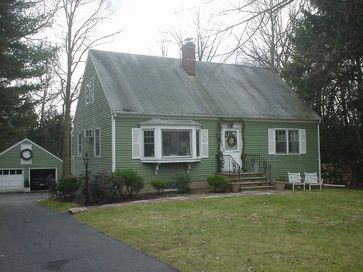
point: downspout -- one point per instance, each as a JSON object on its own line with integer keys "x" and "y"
{"x": 113, "y": 132}
{"x": 319, "y": 158}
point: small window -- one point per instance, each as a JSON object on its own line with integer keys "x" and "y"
{"x": 89, "y": 92}
{"x": 149, "y": 143}
{"x": 18, "y": 172}
{"x": 5, "y": 172}
{"x": 197, "y": 141}
{"x": 79, "y": 144}
{"x": 281, "y": 141}
{"x": 1, "y": 172}
{"x": 12, "y": 172}
{"x": 97, "y": 143}
{"x": 176, "y": 142}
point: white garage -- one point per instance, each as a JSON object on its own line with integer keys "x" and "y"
{"x": 11, "y": 180}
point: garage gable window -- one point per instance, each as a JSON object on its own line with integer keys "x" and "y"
{"x": 79, "y": 144}
{"x": 97, "y": 142}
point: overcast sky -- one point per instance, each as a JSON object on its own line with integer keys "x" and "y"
{"x": 142, "y": 22}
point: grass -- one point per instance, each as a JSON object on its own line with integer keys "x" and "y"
{"x": 59, "y": 206}
{"x": 299, "y": 231}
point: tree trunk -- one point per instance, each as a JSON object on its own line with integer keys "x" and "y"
{"x": 67, "y": 104}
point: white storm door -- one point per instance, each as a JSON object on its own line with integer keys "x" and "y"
{"x": 231, "y": 149}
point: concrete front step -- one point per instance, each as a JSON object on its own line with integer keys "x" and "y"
{"x": 242, "y": 174}
{"x": 247, "y": 179}
{"x": 264, "y": 187}
{"x": 252, "y": 183}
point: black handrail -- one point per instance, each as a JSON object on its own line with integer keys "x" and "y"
{"x": 233, "y": 165}
{"x": 257, "y": 164}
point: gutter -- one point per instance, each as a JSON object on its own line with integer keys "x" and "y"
{"x": 213, "y": 117}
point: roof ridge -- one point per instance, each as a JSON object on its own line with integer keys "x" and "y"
{"x": 179, "y": 59}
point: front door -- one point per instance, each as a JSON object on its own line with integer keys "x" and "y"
{"x": 231, "y": 149}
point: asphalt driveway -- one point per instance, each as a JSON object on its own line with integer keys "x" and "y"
{"x": 34, "y": 238}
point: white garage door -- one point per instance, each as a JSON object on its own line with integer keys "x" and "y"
{"x": 11, "y": 180}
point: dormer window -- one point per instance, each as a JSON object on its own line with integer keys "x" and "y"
{"x": 89, "y": 92}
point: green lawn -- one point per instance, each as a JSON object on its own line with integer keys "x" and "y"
{"x": 299, "y": 231}
{"x": 57, "y": 205}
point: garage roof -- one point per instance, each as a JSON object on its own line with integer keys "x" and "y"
{"x": 26, "y": 139}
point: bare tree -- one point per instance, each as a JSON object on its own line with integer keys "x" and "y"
{"x": 208, "y": 39}
{"x": 269, "y": 45}
{"x": 82, "y": 17}
{"x": 256, "y": 25}
{"x": 164, "y": 43}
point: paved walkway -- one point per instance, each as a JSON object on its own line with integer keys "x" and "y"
{"x": 36, "y": 239}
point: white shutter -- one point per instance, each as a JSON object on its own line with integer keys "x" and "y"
{"x": 204, "y": 134}
{"x": 136, "y": 143}
{"x": 271, "y": 141}
{"x": 302, "y": 140}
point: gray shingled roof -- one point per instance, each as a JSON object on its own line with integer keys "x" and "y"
{"x": 160, "y": 86}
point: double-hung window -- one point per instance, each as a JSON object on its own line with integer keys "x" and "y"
{"x": 149, "y": 144}
{"x": 197, "y": 142}
{"x": 79, "y": 144}
{"x": 287, "y": 141}
{"x": 97, "y": 142}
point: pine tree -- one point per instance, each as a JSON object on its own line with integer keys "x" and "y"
{"x": 24, "y": 60}
{"x": 327, "y": 72}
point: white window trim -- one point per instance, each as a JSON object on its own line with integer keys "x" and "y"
{"x": 287, "y": 142}
{"x": 94, "y": 142}
{"x": 142, "y": 147}
{"x": 158, "y": 157}
{"x": 79, "y": 152}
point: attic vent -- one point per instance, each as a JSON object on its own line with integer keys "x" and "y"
{"x": 88, "y": 133}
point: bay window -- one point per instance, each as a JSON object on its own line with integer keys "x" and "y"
{"x": 169, "y": 141}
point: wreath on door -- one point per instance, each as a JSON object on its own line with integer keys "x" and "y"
{"x": 231, "y": 140}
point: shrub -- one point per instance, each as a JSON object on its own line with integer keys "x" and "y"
{"x": 26, "y": 183}
{"x": 131, "y": 180}
{"x": 159, "y": 185}
{"x": 99, "y": 190}
{"x": 182, "y": 183}
{"x": 219, "y": 184}
{"x": 66, "y": 188}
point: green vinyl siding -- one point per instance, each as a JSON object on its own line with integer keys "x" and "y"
{"x": 199, "y": 171}
{"x": 92, "y": 116}
{"x": 256, "y": 143}
{"x": 41, "y": 159}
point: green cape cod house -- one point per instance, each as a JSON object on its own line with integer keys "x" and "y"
{"x": 162, "y": 116}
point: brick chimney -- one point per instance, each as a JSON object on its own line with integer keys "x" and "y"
{"x": 188, "y": 57}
